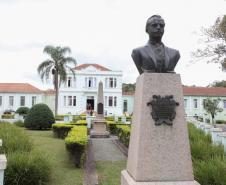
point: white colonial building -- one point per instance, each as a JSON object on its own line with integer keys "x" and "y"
{"x": 15, "y": 95}
{"x": 80, "y": 90}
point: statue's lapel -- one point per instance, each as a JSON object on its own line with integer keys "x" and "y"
{"x": 150, "y": 53}
{"x": 166, "y": 57}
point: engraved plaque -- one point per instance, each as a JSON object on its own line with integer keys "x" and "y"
{"x": 163, "y": 109}
{"x": 100, "y": 108}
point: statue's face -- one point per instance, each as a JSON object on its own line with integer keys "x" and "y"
{"x": 155, "y": 27}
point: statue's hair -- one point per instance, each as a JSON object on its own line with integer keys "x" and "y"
{"x": 150, "y": 19}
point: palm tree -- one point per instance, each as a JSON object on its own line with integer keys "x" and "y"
{"x": 57, "y": 65}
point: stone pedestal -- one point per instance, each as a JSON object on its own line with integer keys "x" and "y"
{"x": 158, "y": 155}
{"x": 3, "y": 162}
{"x": 99, "y": 129}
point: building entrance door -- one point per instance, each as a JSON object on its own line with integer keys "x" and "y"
{"x": 90, "y": 103}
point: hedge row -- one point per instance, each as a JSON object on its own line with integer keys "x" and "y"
{"x": 123, "y": 132}
{"x": 61, "y": 130}
{"x": 209, "y": 162}
{"x": 76, "y": 142}
{"x": 24, "y": 166}
{"x": 7, "y": 116}
{"x": 112, "y": 118}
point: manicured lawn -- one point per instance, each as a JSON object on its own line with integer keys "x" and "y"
{"x": 109, "y": 173}
{"x": 63, "y": 172}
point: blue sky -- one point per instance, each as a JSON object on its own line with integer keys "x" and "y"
{"x": 103, "y": 32}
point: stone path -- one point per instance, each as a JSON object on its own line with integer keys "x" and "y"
{"x": 100, "y": 149}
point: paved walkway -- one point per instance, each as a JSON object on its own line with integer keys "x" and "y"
{"x": 100, "y": 149}
{"x": 105, "y": 150}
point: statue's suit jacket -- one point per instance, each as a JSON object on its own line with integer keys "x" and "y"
{"x": 144, "y": 59}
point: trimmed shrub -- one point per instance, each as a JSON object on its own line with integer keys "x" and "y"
{"x": 81, "y": 122}
{"x": 112, "y": 127}
{"x": 27, "y": 169}
{"x": 123, "y": 132}
{"x": 14, "y": 139}
{"x": 7, "y": 116}
{"x": 76, "y": 118}
{"x": 59, "y": 117}
{"x": 22, "y": 110}
{"x": 76, "y": 142}
{"x": 82, "y": 116}
{"x": 220, "y": 121}
{"x": 61, "y": 130}
{"x": 19, "y": 123}
{"x": 39, "y": 117}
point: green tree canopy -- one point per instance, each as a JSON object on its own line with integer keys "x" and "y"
{"x": 215, "y": 43}
{"x": 57, "y": 65}
{"x": 128, "y": 87}
{"x": 218, "y": 84}
{"x": 211, "y": 107}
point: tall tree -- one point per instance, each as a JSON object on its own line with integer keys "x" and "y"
{"x": 215, "y": 43}
{"x": 211, "y": 107}
{"x": 58, "y": 64}
{"x": 218, "y": 84}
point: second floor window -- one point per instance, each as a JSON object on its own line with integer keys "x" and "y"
{"x": 69, "y": 82}
{"x": 0, "y": 100}
{"x": 195, "y": 103}
{"x": 22, "y": 101}
{"x": 90, "y": 82}
{"x": 111, "y": 82}
{"x": 11, "y": 101}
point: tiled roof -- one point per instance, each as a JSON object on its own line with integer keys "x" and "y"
{"x": 18, "y": 88}
{"x": 204, "y": 91}
{"x": 97, "y": 66}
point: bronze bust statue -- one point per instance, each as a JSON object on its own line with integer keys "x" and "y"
{"x": 155, "y": 57}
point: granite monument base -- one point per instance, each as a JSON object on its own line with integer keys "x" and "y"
{"x": 158, "y": 154}
{"x": 99, "y": 129}
{"x": 126, "y": 179}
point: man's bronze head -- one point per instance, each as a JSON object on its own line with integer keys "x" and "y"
{"x": 155, "y": 26}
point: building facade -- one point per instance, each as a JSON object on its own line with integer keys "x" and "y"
{"x": 194, "y": 98}
{"x": 79, "y": 93}
{"x": 15, "y": 95}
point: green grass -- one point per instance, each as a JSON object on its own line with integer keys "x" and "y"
{"x": 109, "y": 173}
{"x": 63, "y": 171}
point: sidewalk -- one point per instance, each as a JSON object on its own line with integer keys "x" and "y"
{"x": 100, "y": 149}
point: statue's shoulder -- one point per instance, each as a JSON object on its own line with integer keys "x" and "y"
{"x": 138, "y": 49}
{"x": 172, "y": 50}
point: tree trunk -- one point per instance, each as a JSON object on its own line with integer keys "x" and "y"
{"x": 212, "y": 118}
{"x": 57, "y": 91}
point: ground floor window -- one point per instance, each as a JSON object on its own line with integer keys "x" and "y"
{"x": 22, "y": 101}
{"x": 70, "y": 101}
{"x": 125, "y": 106}
{"x": 111, "y": 101}
{"x": 11, "y": 101}
{"x": 34, "y": 100}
